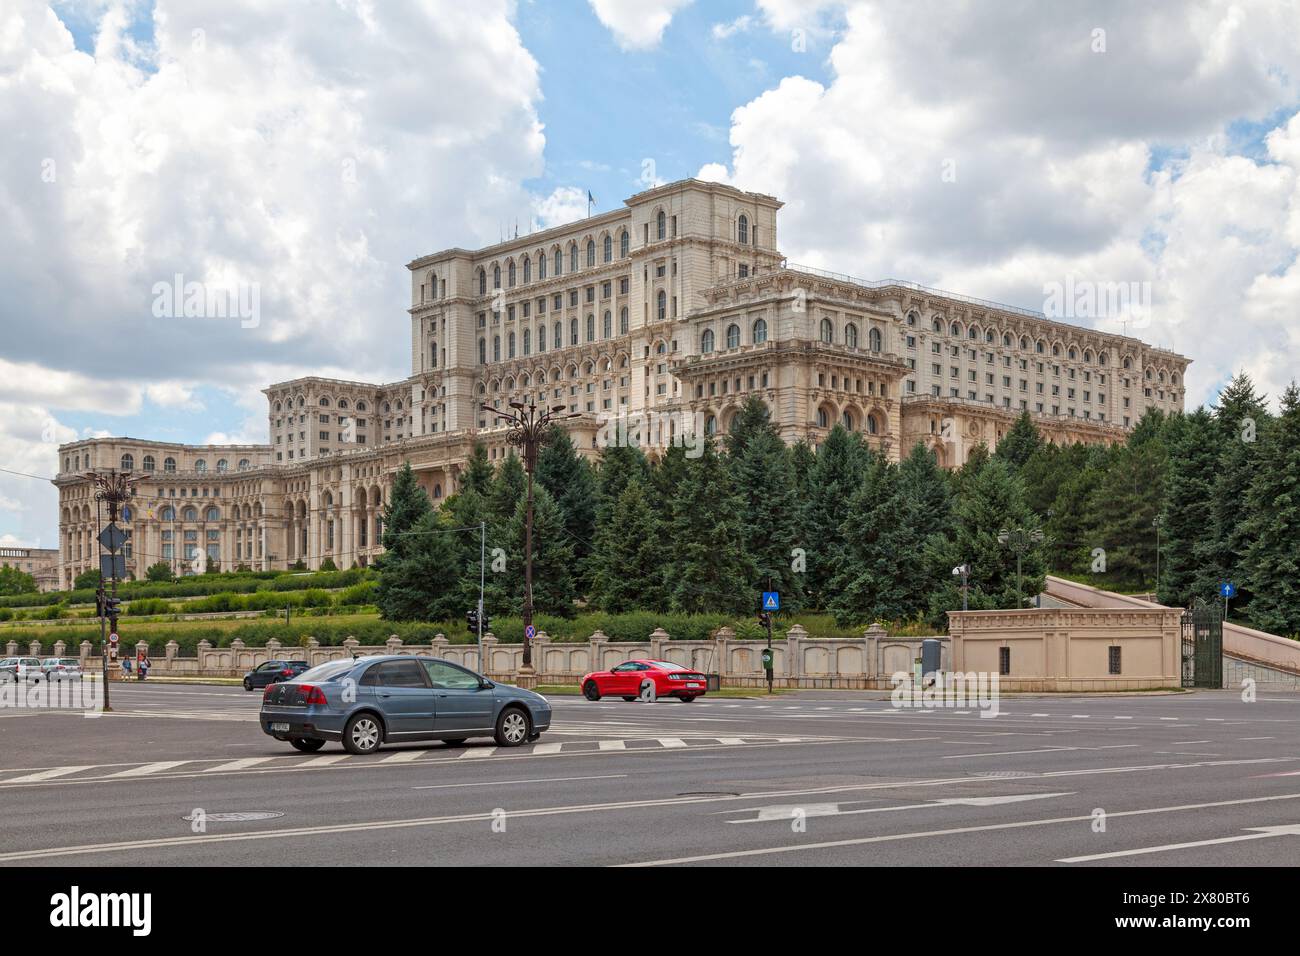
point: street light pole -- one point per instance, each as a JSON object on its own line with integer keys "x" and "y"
{"x": 113, "y": 488}
{"x": 530, "y": 430}
{"x": 1157, "y": 521}
{"x": 1020, "y": 541}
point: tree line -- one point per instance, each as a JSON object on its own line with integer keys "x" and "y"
{"x": 843, "y": 529}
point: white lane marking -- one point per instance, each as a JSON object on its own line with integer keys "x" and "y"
{"x": 1184, "y": 743}
{"x": 1123, "y": 718}
{"x": 1081, "y": 715}
{"x": 612, "y": 745}
{"x": 404, "y": 756}
{"x": 1217, "y": 719}
{"x": 1168, "y": 718}
{"x": 768, "y": 814}
{"x": 888, "y": 838}
{"x": 671, "y": 741}
{"x": 1040, "y": 715}
{"x": 323, "y": 761}
{"x": 502, "y": 783}
{"x": 731, "y": 740}
{"x": 46, "y": 774}
{"x": 477, "y": 752}
{"x": 547, "y": 748}
{"x": 1257, "y": 833}
{"x": 1258, "y": 738}
{"x": 239, "y": 764}
{"x": 149, "y": 768}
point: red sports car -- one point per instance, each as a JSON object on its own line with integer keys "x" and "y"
{"x": 634, "y": 679}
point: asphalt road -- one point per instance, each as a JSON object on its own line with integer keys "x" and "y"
{"x": 1202, "y": 779}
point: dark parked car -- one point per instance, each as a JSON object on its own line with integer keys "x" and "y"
{"x": 272, "y": 672}
{"x": 369, "y": 701}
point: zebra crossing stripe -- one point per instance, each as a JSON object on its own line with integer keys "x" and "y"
{"x": 671, "y": 741}
{"x": 547, "y": 748}
{"x": 612, "y": 745}
{"x": 46, "y": 775}
{"x": 404, "y": 756}
{"x": 146, "y": 769}
{"x": 477, "y": 753}
{"x": 238, "y": 764}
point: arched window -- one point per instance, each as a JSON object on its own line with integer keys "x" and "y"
{"x": 201, "y": 466}
{"x": 496, "y": 277}
{"x": 706, "y": 341}
{"x": 167, "y": 514}
{"x": 511, "y": 274}
{"x": 573, "y": 331}
{"x": 823, "y": 420}
{"x": 482, "y": 352}
{"x": 528, "y": 341}
{"x": 1038, "y": 347}
{"x": 510, "y": 346}
{"x": 433, "y": 354}
{"x": 622, "y": 321}
{"x": 609, "y": 248}
{"x": 622, "y": 245}
{"x": 190, "y": 513}
{"x": 482, "y": 282}
{"x": 661, "y": 303}
{"x": 528, "y": 269}
{"x": 541, "y": 265}
{"x": 496, "y": 348}
{"x": 559, "y": 262}
{"x": 847, "y": 418}
{"x": 558, "y": 341}
{"x": 147, "y": 464}
{"x": 573, "y": 257}
{"x": 742, "y": 230}
{"x": 212, "y": 514}
{"x": 222, "y": 466}
{"x": 851, "y": 335}
{"x": 733, "y": 336}
{"x": 607, "y": 324}
{"x": 661, "y": 221}
{"x": 710, "y": 423}
{"x": 872, "y": 425}
{"x": 828, "y": 331}
{"x": 760, "y": 331}
{"x": 541, "y": 338}
{"x": 591, "y": 253}
{"x": 243, "y": 464}
{"x": 128, "y": 463}
{"x": 874, "y": 340}
{"x": 1006, "y": 341}
{"x": 591, "y": 327}
{"x": 955, "y": 329}
{"x": 169, "y": 464}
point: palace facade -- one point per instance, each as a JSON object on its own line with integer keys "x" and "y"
{"x": 665, "y": 314}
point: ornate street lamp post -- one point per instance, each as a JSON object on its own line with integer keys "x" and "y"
{"x": 1020, "y": 541}
{"x": 530, "y": 430}
{"x": 114, "y": 489}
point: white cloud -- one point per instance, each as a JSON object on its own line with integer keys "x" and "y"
{"x": 988, "y": 150}
{"x": 564, "y": 204}
{"x": 724, "y": 31}
{"x": 637, "y": 24}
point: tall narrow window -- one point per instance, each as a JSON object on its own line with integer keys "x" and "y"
{"x": 622, "y": 321}
{"x": 511, "y": 274}
{"x": 661, "y": 225}
{"x": 706, "y": 342}
{"x": 1004, "y": 661}
{"x": 496, "y": 277}
{"x": 607, "y": 324}
{"x": 591, "y": 253}
{"x": 662, "y": 303}
{"x": 622, "y": 245}
{"x": 742, "y": 230}
{"x": 559, "y": 262}
{"x": 733, "y": 336}
{"x": 760, "y": 331}
{"x": 609, "y": 249}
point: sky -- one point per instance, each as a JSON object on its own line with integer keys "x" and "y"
{"x": 291, "y": 156}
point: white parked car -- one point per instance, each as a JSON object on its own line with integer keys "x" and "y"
{"x": 21, "y": 668}
{"x": 61, "y": 668}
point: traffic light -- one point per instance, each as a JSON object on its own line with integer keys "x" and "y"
{"x": 471, "y": 618}
{"x": 112, "y": 607}
{"x": 764, "y": 619}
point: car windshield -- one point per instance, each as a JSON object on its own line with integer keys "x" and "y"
{"x": 331, "y": 670}
{"x": 69, "y": 661}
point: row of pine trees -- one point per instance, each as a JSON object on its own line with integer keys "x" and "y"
{"x": 846, "y": 531}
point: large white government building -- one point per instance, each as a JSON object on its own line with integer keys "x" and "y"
{"x": 671, "y": 310}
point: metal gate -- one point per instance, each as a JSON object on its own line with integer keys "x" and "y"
{"x": 1202, "y": 645}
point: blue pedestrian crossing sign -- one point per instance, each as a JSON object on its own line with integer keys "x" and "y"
{"x": 771, "y": 601}
{"x": 1227, "y": 589}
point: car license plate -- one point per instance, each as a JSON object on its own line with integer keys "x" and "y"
{"x": 280, "y": 728}
{"x": 693, "y": 685}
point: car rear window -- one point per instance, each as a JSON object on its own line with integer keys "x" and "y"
{"x": 69, "y": 661}
{"x": 330, "y": 670}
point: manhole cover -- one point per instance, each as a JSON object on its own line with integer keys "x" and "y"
{"x": 1001, "y": 773}
{"x": 242, "y": 816}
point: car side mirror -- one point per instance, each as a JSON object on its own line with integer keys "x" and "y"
{"x": 485, "y": 684}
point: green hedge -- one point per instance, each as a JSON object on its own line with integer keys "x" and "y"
{"x": 200, "y": 585}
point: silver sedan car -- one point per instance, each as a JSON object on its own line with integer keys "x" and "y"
{"x": 369, "y": 701}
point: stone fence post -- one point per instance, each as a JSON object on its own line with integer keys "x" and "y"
{"x": 598, "y": 642}
{"x": 86, "y": 649}
{"x": 794, "y": 639}
{"x": 34, "y": 649}
{"x": 722, "y": 639}
{"x": 11, "y": 649}
{"x": 394, "y": 644}
{"x": 273, "y": 648}
{"x": 170, "y": 651}
{"x": 60, "y": 648}
{"x": 658, "y": 638}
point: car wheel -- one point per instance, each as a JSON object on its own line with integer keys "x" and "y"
{"x": 308, "y": 745}
{"x": 455, "y": 741}
{"x": 512, "y": 727}
{"x": 629, "y": 699}
{"x": 686, "y": 700}
{"x": 248, "y": 684}
{"x": 590, "y": 690}
{"x": 362, "y": 734}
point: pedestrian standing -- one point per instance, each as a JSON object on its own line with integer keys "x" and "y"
{"x": 126, "y": 668}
